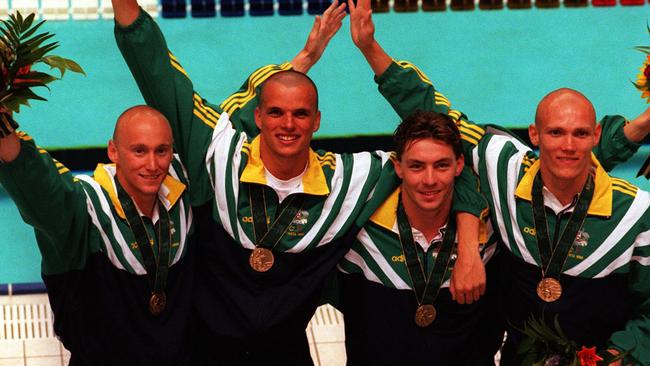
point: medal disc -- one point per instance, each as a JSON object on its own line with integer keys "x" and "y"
{"x": 261, "y": 259}
{"x": 425, "y": 315}
{"x": 157, "y": 303}
{"x": 549, "y": 289}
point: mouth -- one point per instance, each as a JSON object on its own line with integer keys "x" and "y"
{"x": 287, "y": 138}
{"x": 150, "y": 177}
{"x": 567, "y": 159}
{"x": 430, "y": 193}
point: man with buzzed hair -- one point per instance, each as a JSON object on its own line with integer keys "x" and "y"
{"x": 277, "y": 212}
{"x": 115, "y": 245}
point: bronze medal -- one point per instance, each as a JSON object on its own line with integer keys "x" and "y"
{"x": 157, "y": 303}
{"x": 261, "y": 259}
{"x": 549, "y": 289}
{"x": 425, "y": 315}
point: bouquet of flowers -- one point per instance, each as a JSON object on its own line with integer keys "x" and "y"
{"x": 548, "y": 346}
{"x": 20, "y": 49}
{"x": 643, "y": 86}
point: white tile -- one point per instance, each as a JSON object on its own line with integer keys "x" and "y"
{"x": 106, "y": 9}
{"x": 12, "y": 361}
{"x": 11, "y": 348}
{"x": 43, "y": 361}
{"x": 85, "y": 9}
{"x": 150, "y": 6}
{"x": 55, "y": 9}
{"x": 24, "y": 6}
{"x": 42, "y": 347}
{"x": 331, "y": 354}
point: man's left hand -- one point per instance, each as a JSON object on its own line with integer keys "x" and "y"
{"x": 468, "y": 277}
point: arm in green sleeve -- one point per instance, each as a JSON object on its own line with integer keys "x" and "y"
{"x": 165, "y": 86}
{"x": 614, "y": 147}
{"x": 634, "y": 337}
{"x": 53, "y": 202}
{"x": 467, "y": 195}
{"x": 241, "y": 105}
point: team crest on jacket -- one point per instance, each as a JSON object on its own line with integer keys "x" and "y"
{"x": 298, "y": 223}
{"x": 581, "y": 241}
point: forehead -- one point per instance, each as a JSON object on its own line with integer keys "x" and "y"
{"x": 569, "y": 116}
{"x": 427, "y": 150}
{"x": 147, "y": 130}
{"x": 296, "y": 94}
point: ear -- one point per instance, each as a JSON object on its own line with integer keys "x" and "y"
{"x": 460, "y": 164}
{"x": 258, "y": 118}
{"x": 398, "y": 168}
{"x": 112, "y": 151}
{"x": 533, "y": 133}
{"x": 597, "y": 133}
{"x": 317, "y": 122}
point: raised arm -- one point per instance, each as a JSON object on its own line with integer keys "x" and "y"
{"x": 49, "y": 199}
{"x": 362, "y": 30}
{"x": 165, "y": 86}
{"x": 241, "y": 105}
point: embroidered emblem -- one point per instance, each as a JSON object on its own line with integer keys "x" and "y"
{"x": 298, "y": 223}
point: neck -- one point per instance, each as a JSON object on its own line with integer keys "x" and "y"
{"x": 145, "y": 205}
{"x": 564, "y": 190}
{"x": 427, "y": 222}
{"x": 285, "y": 168}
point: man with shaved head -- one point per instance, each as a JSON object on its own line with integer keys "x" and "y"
{"x": 115, "y": 245}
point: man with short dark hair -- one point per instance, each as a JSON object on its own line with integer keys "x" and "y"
{"x": 115, "y": 246}
{"x": 395, "y": 280}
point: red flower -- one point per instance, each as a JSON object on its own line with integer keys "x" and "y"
{"x": 588, "y": 356}
{"x": 23, "y": 71}
{"x": 646, "y": 71}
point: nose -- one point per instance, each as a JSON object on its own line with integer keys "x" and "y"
{"x": 151, "y": 163}
{"x": 288, "y": 122}
{"x": 429, "y": 177}
{"x": 569, "y": 143}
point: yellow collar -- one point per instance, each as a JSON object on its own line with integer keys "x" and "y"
{"x": 313, "y": 181}
{"x": 170, "y": 191}
{"x": 386, "y": 216}
{"x": 601, "y": 203}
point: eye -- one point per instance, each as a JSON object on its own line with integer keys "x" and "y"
{"x": 274, "y": 112}
{"x": 415, "y": 166}
{"x": 139, "y": 151}
{"x": 162, "y": 150}
{"x": 582, "y": 133}
{"x": 555, "y": 132}
{"x": 443, "y": 165}
{"x": 301, "y": 114}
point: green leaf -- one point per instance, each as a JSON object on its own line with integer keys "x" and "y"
{"x": 31, "y": 31}
{"x": 28, "y": 22}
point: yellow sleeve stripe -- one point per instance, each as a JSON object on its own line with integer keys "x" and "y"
{"x": 207, "y": 110}
{"x": 42, "y": 151}
{"x": 174, "y": 61}
{"x": 469, "y": 139}
{"x": 64, "y": 170}
{"x": 470, "y": 133}
{"x": 454, "y": 114}
{"x": 327, "y": 156}
{"x": 474, "y": 127}
{"x": 203, "y": 118}
{"x": 623, "y": 190}
{"x": 23, "y": 136}
{"x": 421, "y": 75}
{"x": 624, "y": 184}
{"x": 239, "y": 99}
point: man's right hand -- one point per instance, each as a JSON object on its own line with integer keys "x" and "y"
{"x": 362, "y": 29}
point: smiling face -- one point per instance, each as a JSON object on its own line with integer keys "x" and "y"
{"x": 428, "y": 168}
{"x": 142, "y": 152}
{"x": 565, "y": 130}
{"x": 287, "y": 118}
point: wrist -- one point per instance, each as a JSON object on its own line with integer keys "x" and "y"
{"x": 303, "y": 61}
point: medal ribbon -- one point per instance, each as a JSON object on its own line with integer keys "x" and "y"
{"x": 425, "y": 290}
{"x": 268, "y": 237}
{"x": 157, "y": 268}
{"x": 553, "y": 255}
